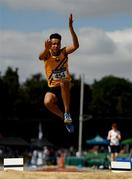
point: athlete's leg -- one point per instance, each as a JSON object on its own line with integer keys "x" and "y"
{"x": 112, "y": 156}
{"x": 50, "y": 101}
{"x": 117, "y": 150}
{"x": 65, "y": 93}
{"x": 116, "y": 155}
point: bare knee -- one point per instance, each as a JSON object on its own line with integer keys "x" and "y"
{"x": 49, "y": 100}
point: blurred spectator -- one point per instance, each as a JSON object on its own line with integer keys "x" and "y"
{"x": 34, "y": 158}
{"x": 71, "y": 151}
{"x": 45, "y": 155}
{"x": 123, "y": 150}
{"x": 114, "y": 136}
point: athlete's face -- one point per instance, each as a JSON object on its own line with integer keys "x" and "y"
{"x": 55, "y": 45}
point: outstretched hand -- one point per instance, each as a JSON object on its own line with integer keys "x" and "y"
{"x": 47, "y": 44}
{"x": 70, "y": 20}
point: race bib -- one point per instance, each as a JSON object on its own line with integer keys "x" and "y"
{"x": 59, "y": 74}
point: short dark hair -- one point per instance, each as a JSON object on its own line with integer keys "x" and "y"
{"x": 114, "y": 125}
{"x": 55, "y": 36}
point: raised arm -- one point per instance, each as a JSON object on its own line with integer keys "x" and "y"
{"x": 75, "y": 43}
{"x": 44, "y": 54}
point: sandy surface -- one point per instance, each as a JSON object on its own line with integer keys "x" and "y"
{"x": 67, "y": 173}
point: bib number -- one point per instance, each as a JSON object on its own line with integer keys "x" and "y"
{"x": 59, "y": 74}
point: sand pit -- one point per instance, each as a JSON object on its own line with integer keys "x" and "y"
{"x": 67, "y": 173}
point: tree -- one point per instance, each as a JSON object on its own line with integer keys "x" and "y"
{"x": 9, "y": 91}
{"x": 30, "y": 101}
{"x": 111, "y": 96}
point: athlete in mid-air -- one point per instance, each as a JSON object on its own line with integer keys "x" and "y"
{"x": 56, "y": 67}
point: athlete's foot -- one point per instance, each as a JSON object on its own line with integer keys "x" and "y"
{"x": 68, "y": 122}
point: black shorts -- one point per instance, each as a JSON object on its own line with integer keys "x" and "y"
{"x": 115, "y": 149}
{"x": 57, "y": 92}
